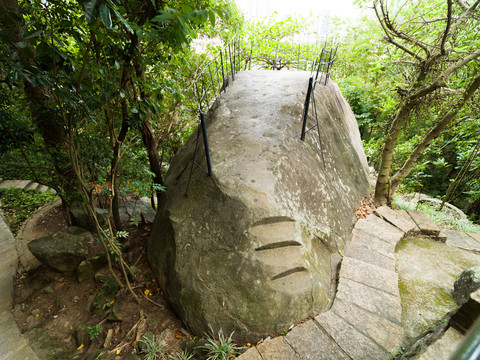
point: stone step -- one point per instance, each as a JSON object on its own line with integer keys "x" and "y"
{"x": 424, "y": 223}
{"x": 379, "y": 228}
{"x": 370, "y": 275}
{"x": 250, "y": 354}
{"x": 277, "y": 349}
{"x": 474, "y": 236}
{"x": 365, "y": 254}
{"x": 360, "y": 237}
{"x": 353, "y": 342}
{"x": 8, "y": 183}
{"x": 444, "y": 347}
{"x": 460, "y": 240}
{"x": 384, "y": 332}
{"x": 311, "y": 342}
{"x": 398, "y": 218}
{"x": 376, "y": 301}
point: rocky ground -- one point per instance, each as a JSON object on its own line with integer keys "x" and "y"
{"x": 54, "y": 310}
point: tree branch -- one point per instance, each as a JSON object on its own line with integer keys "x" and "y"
{"x": 389, "y": 37}
{"x": 467, "y": 13}
{"x": 435, "y": 131}
{"x": 447, "y": 27}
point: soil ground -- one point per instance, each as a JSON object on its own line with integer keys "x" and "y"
{"x": 58, "y": 303}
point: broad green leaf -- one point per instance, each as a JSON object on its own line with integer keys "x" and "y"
{"x": 105, "y": 15}
{"x": 32, "y": 34}
{"x": 123, "y": 21}
{"x": 211, "y": 16}
{"x": 90, "y": 11}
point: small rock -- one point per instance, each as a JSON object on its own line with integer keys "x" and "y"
{"x": 134, "y": 270}
{"x": 116, "y": 312}
{"x": 89, "y": 266}
{"x": 466, "y": 283}
{"x": 90, "y": 307}
{"x": 81, "y": 336}
{"x": 148, "y": 336}
{"x": 101, "y": 278}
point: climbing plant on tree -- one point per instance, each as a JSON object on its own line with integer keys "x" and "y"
{"x": 440, "y": 49}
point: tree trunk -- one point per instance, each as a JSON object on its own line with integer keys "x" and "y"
{"x": 382, "y": 188}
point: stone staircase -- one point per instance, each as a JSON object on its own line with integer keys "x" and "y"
{"x": 12, "y": 344}
{"x": 25, "y": 184}
{"x": 364, "y": 321}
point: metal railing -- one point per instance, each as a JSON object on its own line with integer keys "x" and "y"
{"x": 310, "y": 97}
{"x": 212, "y": 79}
{"x": 216, "y": 74}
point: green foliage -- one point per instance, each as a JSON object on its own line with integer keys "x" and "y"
{"x": 104, "y": 298}
{"x": 94, "y": 331}
{"x": 222, "y": 347}
{"x": 444, "y": 218}
{"x": 18, "y": 205}
{"x": 181, "y": 356}
{"x": 151, "y": 348}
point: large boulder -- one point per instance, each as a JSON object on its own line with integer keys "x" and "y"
{"x": 249, "y": 249}
{"x": 63, "y": 250}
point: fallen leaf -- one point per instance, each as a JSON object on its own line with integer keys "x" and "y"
{"x": 178, "y": 334}
{"x": 80, "y": 347}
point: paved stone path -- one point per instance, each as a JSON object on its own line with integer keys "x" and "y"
{"x": 365, "y": 320}
{"x": 25, "y": 184}
{"x": 12, "y": 345}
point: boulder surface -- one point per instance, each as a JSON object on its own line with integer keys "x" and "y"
{"x": 64, "y": 250}
{"x": 248, "y": 250}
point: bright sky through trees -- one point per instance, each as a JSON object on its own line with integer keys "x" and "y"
{"x": 262, "y": 8}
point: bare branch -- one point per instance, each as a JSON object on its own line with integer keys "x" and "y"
{"x": 462, "y": 4}
{"x": 389, "y": 37}
{"x": 465, "y": 16}
{"x": 447, "y": 27}
{"x": 401, "y": 35}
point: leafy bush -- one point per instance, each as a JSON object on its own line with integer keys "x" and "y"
{"x": 18, "y": 205}
{"x": 94, "y": 331}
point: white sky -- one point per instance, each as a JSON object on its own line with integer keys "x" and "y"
{"x": 340, "y": 8}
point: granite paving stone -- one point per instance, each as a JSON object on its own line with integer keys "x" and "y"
{"x": 380, "y": 228}
{"x": 460, "y": 240}
{"x": 250, "y": 354}
{"x": 376, "y": 301}
{"x": 357, "y": 345}
{"x": 361, "y": 237}
{"x": 424, "y": 223}
{"x": 370, "y": 275}
{"x": 398, "y": 218}
{"x": 8, "y": 183}
{"x": 385, "y": 333}
{"x": 277, "y": 349}
{"x": 442, "y": 348}
{"x": 475, "y": 237}
{"x": 365, "y": 254}
{"x": 313, "y": 343}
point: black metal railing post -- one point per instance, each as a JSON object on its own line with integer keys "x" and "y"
{"x": 306, "y": 107}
